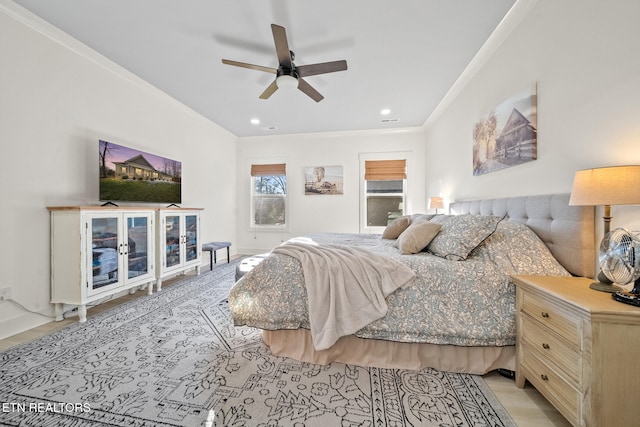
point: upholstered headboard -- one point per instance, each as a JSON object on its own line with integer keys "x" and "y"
{"x": 568, "y": 231}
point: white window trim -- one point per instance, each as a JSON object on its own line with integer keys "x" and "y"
{"x": 363, "y": 157}
{"x": 252, "y": 211}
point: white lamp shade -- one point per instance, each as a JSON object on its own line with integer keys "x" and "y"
{"x": 615, "y": 185}
{"x": 436, "y": 202}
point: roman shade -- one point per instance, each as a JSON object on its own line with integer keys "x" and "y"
{"x": 269, "y": 170}
{"x": 385, "y": 170}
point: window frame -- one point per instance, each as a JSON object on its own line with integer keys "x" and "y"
{"x": 364, "y": 157}
{"x": 253, "y": 196}
{"x": 379, "y": 195}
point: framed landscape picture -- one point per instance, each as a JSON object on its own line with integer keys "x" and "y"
{"x": 508, "y": 135}
{"x": 319, "y": 180}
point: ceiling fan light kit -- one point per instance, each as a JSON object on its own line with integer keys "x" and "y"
{"x": 288, "y": 75}
{"x": 287, "y": 82}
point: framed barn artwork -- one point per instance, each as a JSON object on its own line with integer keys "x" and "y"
{"x": 507, "y": 136}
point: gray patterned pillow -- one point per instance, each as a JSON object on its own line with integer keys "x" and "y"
{"x": 461, "y": 234}
{"x": 421, "y": 217}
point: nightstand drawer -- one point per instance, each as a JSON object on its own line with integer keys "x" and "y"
{"x": 552, "y": 385}
{"x": 552, "y": 348}
{"x": 553, "y": 317}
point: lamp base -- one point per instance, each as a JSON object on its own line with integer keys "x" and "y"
{"x": 605, "y": 287}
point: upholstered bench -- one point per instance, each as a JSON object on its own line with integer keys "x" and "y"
{"x": 247, "y": 264}
{"x": 212, "y": 247}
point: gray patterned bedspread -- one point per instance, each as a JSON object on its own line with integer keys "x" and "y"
{"x": 466, "y": 303}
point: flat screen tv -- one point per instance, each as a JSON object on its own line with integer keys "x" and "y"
{"x": 130, "y": 175}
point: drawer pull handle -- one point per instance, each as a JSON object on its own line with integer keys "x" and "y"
{"x": 544, "y": 314}
{"x": 545, "y": 346}
{"x": 544, "y": 377}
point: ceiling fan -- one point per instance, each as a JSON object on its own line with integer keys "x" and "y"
{"x": 289, "y": 75}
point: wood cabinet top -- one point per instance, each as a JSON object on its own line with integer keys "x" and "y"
{"x": 117, "y": 208}
{"x": 575, "y": 291}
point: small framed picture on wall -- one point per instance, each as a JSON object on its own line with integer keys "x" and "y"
{"x": 323, "y": 180}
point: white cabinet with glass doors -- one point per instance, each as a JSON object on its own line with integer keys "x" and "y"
{"x": 179, "y": 245}
{"x": 97, "y": 252}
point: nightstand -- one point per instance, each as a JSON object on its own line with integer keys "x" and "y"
{"x": 579, "y": 348}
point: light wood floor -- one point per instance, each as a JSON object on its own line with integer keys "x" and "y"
{"x": 526, "y": 406}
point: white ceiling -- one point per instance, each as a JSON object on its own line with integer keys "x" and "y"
{"x": 403, "y": 55}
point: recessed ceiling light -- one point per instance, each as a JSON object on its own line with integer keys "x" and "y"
{"x": 255, "y": 121}
{"x": 385, "y": 111}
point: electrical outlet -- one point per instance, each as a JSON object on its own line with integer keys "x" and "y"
{"x": 5, "y": 294}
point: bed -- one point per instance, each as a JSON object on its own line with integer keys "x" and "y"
{"x": 457, "y": 314}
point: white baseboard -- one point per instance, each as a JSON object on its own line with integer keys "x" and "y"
{"x": 21, "y": 323}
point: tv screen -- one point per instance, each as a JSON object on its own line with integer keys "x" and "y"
{"x": 130, "y": 175}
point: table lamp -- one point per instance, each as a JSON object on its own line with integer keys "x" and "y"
{"x": 436, "y": 203}
{"x": 613, "y": 185}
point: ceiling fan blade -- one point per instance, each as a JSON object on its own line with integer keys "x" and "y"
{"x": 250, "y": 66}
{"x": 282, "y": 46}
{"x": 269, "y": 90}
{"x": 310, "y": 91}
{"x": 322, "y": 68}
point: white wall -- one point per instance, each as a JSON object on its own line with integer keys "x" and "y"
{"x": 328, "y": 213}
{"x": 57, "y": 98}
{"x": 584, "y": 57}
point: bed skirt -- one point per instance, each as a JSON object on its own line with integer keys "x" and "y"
{"x": 297, "y": 344}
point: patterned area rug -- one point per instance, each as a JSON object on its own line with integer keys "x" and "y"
{"x": 168, "y": 358}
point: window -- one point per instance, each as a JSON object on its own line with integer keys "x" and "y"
{"x": 268, "y": 196}
{"x": 384, "y": 191}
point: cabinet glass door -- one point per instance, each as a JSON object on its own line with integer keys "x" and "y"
{"x": 172, "y": 243}
{"x": 191, "y": 232}
{"x": 104, "y": 247}
{"x": 137, "y": 246}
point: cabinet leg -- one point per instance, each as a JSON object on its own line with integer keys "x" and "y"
{"x": 82, "y": 313}
{"x": 149, "y": 288}
{"x": 520, "y": 379}
{"x": 59, "y": 310}
{"x": 197, "y": 270}
{"x": 158, "y": 285}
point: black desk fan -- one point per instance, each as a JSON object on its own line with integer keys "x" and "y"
{"x": 620, "y": 263}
